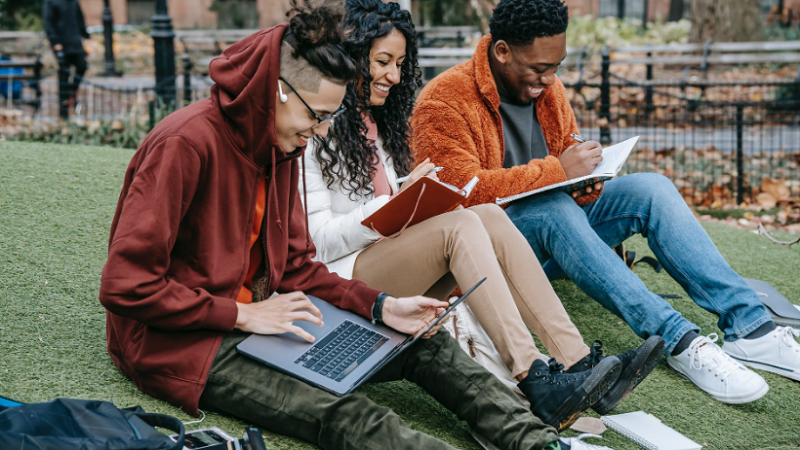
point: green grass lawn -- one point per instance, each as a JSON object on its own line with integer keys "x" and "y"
{"x": 56, "y": 205}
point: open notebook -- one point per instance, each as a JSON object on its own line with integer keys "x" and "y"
{"x": 613, "y": 159}
{"x": 420, "y": 201}
{"x": 649, "y": 432}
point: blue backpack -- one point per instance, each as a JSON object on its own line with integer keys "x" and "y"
{"x": 71, "y": 424}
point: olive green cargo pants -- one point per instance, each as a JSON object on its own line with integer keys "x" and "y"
{"x": 274, "y": 401}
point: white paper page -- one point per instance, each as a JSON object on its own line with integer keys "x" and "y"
{"x": 614, "y": 157}
{"x": 471, "y": 185}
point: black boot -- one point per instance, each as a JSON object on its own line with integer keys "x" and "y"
{"x": 558, "y": 398}
{"x": 636, "y": 365}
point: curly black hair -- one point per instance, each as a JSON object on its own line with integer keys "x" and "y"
{"x": 519, "y": 22}
{"x": 348, "y": 163}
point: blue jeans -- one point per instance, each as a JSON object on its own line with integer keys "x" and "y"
{"x": 580, "y": 240}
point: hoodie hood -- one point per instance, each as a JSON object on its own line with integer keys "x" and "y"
{"x": 246, "y": 80}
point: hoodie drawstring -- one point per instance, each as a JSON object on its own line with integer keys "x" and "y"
{"x": 305, "y": 202}
{"x": 274, "y": 193}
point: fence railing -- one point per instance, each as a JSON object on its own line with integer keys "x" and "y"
{"x": 717, "y": 139}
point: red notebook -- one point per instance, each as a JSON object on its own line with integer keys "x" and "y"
{"x": 422, "y": 200}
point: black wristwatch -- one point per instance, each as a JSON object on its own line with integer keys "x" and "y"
{"x": 377, "y": 308}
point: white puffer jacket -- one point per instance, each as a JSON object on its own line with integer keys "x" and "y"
{"x": 334, "y": 218}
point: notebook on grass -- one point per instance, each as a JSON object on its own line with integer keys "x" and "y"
{"x": 420, "y": 201}
{"x": 649, "y": 432}
{"x": 782, "y": 311}
{"x": 613, "y": 159}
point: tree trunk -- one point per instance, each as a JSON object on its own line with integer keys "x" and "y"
{"x": 675, "y": 10}
{"x": 726, "y": 21}
{"x": 483, "y": 8}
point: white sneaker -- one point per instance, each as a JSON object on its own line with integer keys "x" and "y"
{"x": 726, "y": 380}
{"x": 776, "y": 352}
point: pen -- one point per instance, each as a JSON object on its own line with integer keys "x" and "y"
{"x": 577, "y": 138}
{"x": 405, "y": 178}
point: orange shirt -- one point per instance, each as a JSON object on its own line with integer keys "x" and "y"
{"x": 256, "y": 252}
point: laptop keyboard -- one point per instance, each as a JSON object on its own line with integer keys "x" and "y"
{"x": 342, "y": 350}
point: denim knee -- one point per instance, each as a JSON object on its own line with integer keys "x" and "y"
{"x": 545, "y": 211}
{"x": 651, "y": 186}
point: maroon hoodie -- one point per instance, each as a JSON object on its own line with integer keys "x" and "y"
{"x": 180, "y": 239}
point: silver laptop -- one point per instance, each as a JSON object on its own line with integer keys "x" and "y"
{"x": 348, "y": 350}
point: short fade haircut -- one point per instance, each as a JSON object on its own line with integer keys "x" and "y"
{"x": 519, "y": 22}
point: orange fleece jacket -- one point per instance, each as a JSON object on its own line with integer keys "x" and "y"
{"x": 457, "y": 124}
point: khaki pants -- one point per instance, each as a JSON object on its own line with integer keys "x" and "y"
{"x": 458, "y": 249}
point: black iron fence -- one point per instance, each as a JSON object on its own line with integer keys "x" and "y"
{"x": 717, "y": 139}
{"x": 714, "y": 151}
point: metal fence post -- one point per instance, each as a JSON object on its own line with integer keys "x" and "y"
{"x": 645, "y": 13}
{"x": 605, "y": 98}
{"x": 36, "y": 84}
{"x": 151, "y": 109}
{"x": 648, "y": 90}
{"x": 164, "y": 46}
{"x": 108, "y": 41}
{"x": 739, "y": 154}
{"x": 187, "y": 79}
{"x": 63, "y": 87}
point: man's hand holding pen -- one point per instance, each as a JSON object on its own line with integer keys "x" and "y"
{"x": 580, "y": 160}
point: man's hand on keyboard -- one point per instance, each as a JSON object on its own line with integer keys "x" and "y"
{"x": 275, "y": 315}
{"x": 412, "y": 315}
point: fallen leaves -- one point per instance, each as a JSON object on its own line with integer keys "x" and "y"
{"x": 766, "y": 200}
{"x": 773, "y": 192}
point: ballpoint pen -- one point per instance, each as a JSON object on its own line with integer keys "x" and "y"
{"x": 577, "y": 138}
{"x": 405, "y": 178}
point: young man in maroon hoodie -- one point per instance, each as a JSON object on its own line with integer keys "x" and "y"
{"x": 210, "y": 224}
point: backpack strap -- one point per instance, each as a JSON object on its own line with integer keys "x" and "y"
{"x": 168, "y": 422}
{"x": 7, "y": 403}
{"x": 629, "y": 258}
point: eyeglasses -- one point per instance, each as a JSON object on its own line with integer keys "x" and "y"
{"x": 314, "y": 113}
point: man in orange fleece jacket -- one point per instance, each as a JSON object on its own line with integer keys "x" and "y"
{"x": 504, "y": 117}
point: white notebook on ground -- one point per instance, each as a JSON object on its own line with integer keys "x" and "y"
{"x": 649, "y": 432}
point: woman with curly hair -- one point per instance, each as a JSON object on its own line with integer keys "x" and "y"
{"x": 355, "y": 173}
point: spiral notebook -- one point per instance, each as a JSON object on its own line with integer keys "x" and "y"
{"x": 649, "y": 432}
{"x": 613, "y": 159}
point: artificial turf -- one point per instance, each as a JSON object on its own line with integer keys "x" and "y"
{"x": 56, "y": 205}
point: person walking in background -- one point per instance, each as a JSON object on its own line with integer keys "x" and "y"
{"x": 64, "y": 25}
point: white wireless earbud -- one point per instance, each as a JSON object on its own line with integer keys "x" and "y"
{"x": 284, "y": 98}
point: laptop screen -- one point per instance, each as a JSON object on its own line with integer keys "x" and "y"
{"x": 450, "y": 308}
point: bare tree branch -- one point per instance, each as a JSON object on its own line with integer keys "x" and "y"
{"x": 763, "y": 232}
